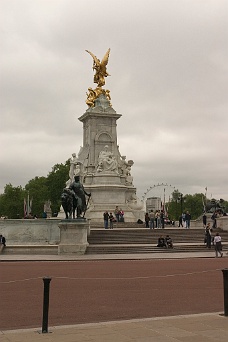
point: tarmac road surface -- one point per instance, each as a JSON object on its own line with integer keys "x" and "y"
{"x": 96, "y": 291}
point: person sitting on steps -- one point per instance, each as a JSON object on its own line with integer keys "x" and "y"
{"x": 162, "y": 242}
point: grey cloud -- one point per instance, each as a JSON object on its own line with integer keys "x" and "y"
{"x": 168, "y": 67}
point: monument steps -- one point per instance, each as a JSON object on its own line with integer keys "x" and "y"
{"x": 131, "y": 249}
{"x": 111, "y": 241}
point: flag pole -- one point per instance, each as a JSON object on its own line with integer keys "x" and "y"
{"x": 28, "y": 207}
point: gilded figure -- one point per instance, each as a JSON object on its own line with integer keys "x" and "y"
{"x": 100, "y": 68}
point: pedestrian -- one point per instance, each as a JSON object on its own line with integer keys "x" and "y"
{"x": 183, "y": 219}
{"x": 162, "y": 242}
{"x": 180, "y": 221}
{"x": 208, "y": 235}
{"x": 111, "y": 220}
{"x": 106, "y": 217}
{"x": 218, "y": 245}
{"x": 147, "y": 220}
{"x": 158, "y": 216}
{"x": 2, "y": 243}
{"x": 121, "y": 215}
{"x": 117, "y": 213}
{"x": 169, "y": 241}
{"x": 187, "y": 219}
{"x": 151, "y": 216}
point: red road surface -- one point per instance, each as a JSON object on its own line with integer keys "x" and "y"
{"x": 95, "y": 291}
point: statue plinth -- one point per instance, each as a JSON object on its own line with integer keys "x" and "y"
{"x": 73, "y": 236}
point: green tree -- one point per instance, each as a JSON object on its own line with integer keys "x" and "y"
{"x": 181, "y": 203}
{"x": 12, "y": 202}
{"x": 174, "y": 206}
{"x": 225, "y": 206}
{"x": 194, "y": 204}
{"x": 56, "y": 181}
{"x": 38, "y": 193}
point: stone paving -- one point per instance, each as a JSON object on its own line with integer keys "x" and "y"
{"x": 188, "y": 328}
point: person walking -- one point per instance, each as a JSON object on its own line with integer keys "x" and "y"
{"x": 106, "y": 217}
{"x": 208, "y": 235}
{"x": 218, "y": 245}
{"x": 111, "y": 220}
{"x": 180, "y": 221}
{"x": 187, "y": 219}
{"x": 204, "y": 220}
{"x": 147, "y": 220}
{"x": 162, "y": 219}
{"x": 117, "y": 213}
{"x": 158, "y": 216}
{"x": 151, "y": 216}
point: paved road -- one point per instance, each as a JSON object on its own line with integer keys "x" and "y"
{"x": 94, "y": 291}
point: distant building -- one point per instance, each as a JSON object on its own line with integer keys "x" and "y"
{"x": 153, "y": 203}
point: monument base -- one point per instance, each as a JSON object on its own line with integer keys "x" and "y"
{"x": 73, "y": 236}
{"x": 222, "y": 222}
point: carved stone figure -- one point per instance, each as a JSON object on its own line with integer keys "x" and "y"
{"x": 73, "y": 164}
{"x": 134, "y": 202}
{"x": 129, "y": 178}
{"x": 124, "y": 165}
{"x": 100, "y": 68}
{"x": 75, "y": 169}
{"x": 47, "y": 206}
{"x": 107, "y": 161}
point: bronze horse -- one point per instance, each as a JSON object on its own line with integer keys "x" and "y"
{"x": 68, "y": 203}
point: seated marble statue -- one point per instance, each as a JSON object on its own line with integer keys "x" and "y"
{"x": 107, "y": 161}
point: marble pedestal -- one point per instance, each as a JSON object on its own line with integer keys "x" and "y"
{"x": 222, "y": 222}
{"x": 73, "y": 236}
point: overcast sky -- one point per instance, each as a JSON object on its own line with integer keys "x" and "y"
{"x": 169, "y": 80}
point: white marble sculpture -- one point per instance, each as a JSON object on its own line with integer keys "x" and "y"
{"x": 107, "y": 161}
{"x": 75, "y": 169}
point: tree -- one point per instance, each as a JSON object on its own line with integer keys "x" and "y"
{"x": 56, "y": 181}
{"x": 174, "y": 206}
{"x": 12, "y": 202}
{"x": 194, "y": 204}
{"x": 181, "y": 203}
{"x": 38, "y": 194}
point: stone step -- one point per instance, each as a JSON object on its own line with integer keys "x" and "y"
{"x": 148, "y": 249}
{"x": 145, "y": 236}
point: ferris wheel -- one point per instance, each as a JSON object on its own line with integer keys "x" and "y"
{"x": 162, "y": 185}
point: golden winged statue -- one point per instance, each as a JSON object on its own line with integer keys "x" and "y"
{"x": 100, "y": 67}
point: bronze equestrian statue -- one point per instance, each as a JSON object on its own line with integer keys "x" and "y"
{"x": 73, "y": 199}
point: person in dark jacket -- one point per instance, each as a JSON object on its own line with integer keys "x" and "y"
{"x": 162, "y": 242}
{"x": 147, "y": 220}
{"x": 2, "y": 242}
{"x": 208, "y": 235}
{"x": 187, "y": 219}
{"x": 106, "y": 218}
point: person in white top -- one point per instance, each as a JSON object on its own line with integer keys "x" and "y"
{"x": 218, "y": 245}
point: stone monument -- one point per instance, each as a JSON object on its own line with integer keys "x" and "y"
{"x": 74, "y": 230}
{"x": 105, "y": 173}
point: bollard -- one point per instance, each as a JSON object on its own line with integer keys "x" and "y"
{"x": 225, "y": 287}
{"x": 46, "y": 281}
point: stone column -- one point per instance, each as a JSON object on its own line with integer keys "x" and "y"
{"x": 73, "y": 236}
